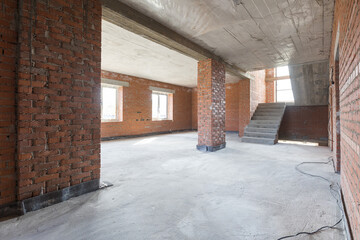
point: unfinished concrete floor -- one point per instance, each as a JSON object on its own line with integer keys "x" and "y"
{"x": 165, "y": 189}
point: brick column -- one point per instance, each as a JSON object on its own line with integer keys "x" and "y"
{"x": 58, "y": 96}
{"x": 211, "y": 105}
{"x": 244, "y": 105}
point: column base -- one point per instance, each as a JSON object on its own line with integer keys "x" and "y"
{"x": 205, "y": 148}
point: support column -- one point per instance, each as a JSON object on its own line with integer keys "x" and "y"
{"x": 58, "y": 101}
{"x": 211, "y": 105}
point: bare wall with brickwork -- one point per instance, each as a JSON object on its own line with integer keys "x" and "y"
{"x": 8, "y": 43}
{"x": 345, "y": 38}
{"x": 232, "y": 107}
{"x": 137, "y": 108}
{"x": 270, "y": 85}
{"x": 58, "y": 95}
{"x": 237, "y": 106}
{"x": 305, "y": 123}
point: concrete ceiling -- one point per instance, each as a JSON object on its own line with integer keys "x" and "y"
{"x": 252, "y": 34}
{"x": 128, "y": 53}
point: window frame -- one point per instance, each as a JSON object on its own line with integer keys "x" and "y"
{"x": 283, "y": 78}
{"x": 119, "y": 102}
{"x": 168, "y": 105}
{"x": 283, "y": 90}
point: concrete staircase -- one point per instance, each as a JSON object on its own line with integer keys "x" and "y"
{"x": 265, "y": 123}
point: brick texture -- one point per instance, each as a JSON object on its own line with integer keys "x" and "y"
{"x": 244, "y": 105}
{"x": 257, "y": 90}
{"x": 239, "y": 97}
{"x": 251, "y": 93}
{"x": 137, "y": 108}
{"x": 211, "y": 103}
{"x": 8, "y": 43}
{"x": 194, "y": 103}
{"x": 270, "y": 85}
{"x": 305, "y": 123}
{"x": 347, "y": 17}
{"x": 232, "y": 107}
{"x": 59, "y": 95}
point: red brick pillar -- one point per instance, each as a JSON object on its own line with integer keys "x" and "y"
{"x": 244, "y": 105}
{"x": 211, "y": 105}
{"x": 58, "y": 97}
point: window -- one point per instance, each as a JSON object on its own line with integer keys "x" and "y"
{"x": 111, "y": 103}
{"x": 161, "y": 105}
{"x": 282, "y": 71}
{"x": 284, "y": 91}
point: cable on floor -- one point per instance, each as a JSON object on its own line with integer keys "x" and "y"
{"x": 335, "y": 193}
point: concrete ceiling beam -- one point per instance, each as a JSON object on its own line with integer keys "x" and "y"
{"x": 132, "y": 20}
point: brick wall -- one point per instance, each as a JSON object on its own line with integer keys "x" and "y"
{"x": 232, "y": 107}
{"x": 244, "y": 105}
{"x": 347, "y": 16}
{"x": 257, "y": 90}
{"x": 270, "y": 85}
{"x": 237, "y": 107}
{"x": 59, "y": 95}
{"x": 211, "y": 103}
{"x": 251, "y": 93}
{"x": 8, "y": 43}
{"x": 137, "y": 108}
{"x": 194, "y": 109}
{"x": 305, "y": 123}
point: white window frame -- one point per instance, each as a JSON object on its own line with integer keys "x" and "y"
{"x": 283, "y": 90}
{"x": 119, "y": 102}
{"x": 158, "y": 93}
{"x": 282, "y": 78}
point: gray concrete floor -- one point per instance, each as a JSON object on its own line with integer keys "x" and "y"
{"x": 165, "y": 189}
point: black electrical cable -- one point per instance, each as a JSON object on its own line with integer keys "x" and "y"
{"x": 332, "y": 191}
{"x": 311, "y": 233}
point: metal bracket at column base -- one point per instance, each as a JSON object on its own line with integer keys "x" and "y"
{"x": 205, "y": 148}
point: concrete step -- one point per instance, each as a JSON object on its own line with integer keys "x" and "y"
{"x": 258, "y": 140}
{"x": 270, "y": 107}
{"x": 267, "y": 105}
{"x": 263, "y": 108}
{"x": 261, "y": 130}
{"x": 271, "y": 104}
{"x": 270, "y": 113}
{"x": 259, "y": 135}
{"x": 260, "y": 121}
{"x": 263, "y": 125}
{"x": 257, "y": 117}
